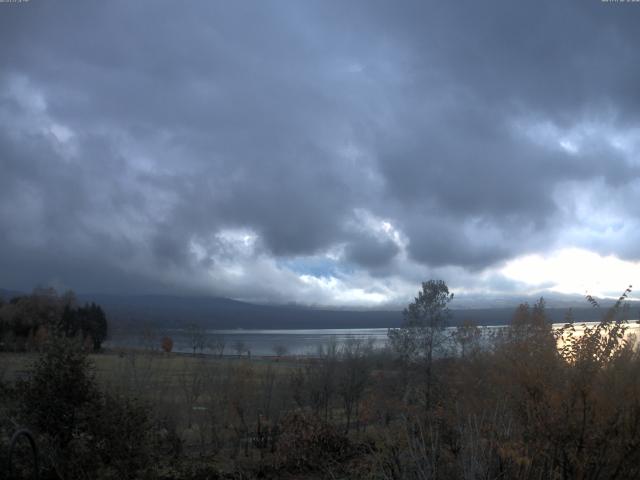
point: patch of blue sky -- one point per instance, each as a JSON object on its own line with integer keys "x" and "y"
{"x": 315, "y": 266}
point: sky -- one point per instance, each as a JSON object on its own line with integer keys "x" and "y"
{"x": 332, "y": 153}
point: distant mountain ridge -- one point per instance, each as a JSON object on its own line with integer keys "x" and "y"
{"x": 224, "y": 313}
{"x": 8, "y": 294}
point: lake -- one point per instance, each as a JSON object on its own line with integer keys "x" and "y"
{"x": 264, "y": 342}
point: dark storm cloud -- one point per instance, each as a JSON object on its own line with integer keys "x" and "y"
{"x": 134, "y": 134}
{"x": 370, "y": 252}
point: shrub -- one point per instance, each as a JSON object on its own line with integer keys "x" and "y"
{"x": 167, "y": 344}
{"x": 82, "y": 431}
{"x": 307, "y": 443}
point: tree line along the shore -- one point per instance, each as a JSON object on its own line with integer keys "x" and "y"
{"x": 27, "y": 322}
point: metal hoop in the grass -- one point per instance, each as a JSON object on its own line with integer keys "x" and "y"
{"x": 34, "y": 449}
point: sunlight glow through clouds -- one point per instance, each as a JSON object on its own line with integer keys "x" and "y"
{"x": 378, "y": 226}
{"x": 575, "y": 270}
{"x": 343, "y": 294}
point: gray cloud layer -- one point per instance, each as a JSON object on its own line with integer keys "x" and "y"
{"x": 201, "y": 146}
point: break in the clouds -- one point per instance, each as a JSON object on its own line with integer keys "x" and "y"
{"x": 333, "y": 153}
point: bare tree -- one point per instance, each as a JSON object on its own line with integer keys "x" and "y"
{"x": 191, "y": 382}
{"x": 216, "y": 401}
{"x": 354, "y": 377}
{"x": 149, "y": 337}
{"x": 196, "y": 337}
{"x": 239, "y": 390}
{"x": 467, "y": 337}
{"x": 217, "y": 345}
{"x": 280, "y": 350}
{"x": 239, "y": 347}
{"x": 321, "y": 378}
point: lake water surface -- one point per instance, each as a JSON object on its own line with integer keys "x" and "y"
{"x": 265, "y": 342}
